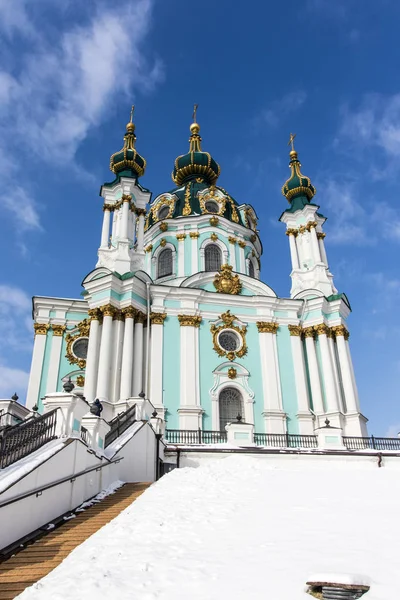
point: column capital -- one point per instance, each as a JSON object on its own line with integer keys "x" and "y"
{"x": 108, "y": 310}
{"x": 189, "y": 320}
{"x": 180, "y": 237}
{"x": 194, "y": 235}
{"x": 309, "y": 332}
{"x": 129, "y": 312}
{"x": 232, "y": 240}
{"x": 58, "y": 330}
{"x": 242, "y": 243}
{"x": 118, "y": 315}
{"x": 341, "y": 330}
{"x": 214, "y": 221}
{"x": 157, "y": 318}
{"x": 94, "y": 314}
{"x": 109, "y": 207}
{"x": 267, "y": 327}
{"x": 141, "y": 212}
{"x": 41, "y": 328}
{"x": 320, "y": 235}
{"x": 140, "y": 317}
{"x": 291, "y": 231}
{"x": 126, "y": 198}
{"x": 311, "y": 224}
{"x": 295, "y": 330}
{"x": 322, "y": 329}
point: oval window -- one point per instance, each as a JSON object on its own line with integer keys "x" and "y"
{"x": 163, "y": 212}
{"x": 229, "y": 341}
{"x": 212, "y": 206}
{"x": 80, "y": 348}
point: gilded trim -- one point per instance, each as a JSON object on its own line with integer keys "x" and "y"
{"x": 95, "y": 314}
{"x": 228, "y": 323}
{"x": 108, "y": 310}
{"x": 140, "y": 317}
{"x": 157, "y": 318}
{"x": 322, "y": 329}
{"x": 227, "y": 283}
{"x": 129, "y": 312}
{"x": 189, "y": 320}
{"x": 180, "y": 237}
{"x": 41, "y": 328}
{"x": 295, "y": 330}
{"x": 267, "y": 327}
{"x": 340, "y": 330}
{"x": 194, "y": 235}
{"x": 58, "y": 330}
{"x": 309, "y": 332}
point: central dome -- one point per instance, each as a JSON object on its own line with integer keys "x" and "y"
{"x": 195, "y": 163}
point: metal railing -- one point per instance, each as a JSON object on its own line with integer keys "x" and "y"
{"x": 195, "y": 436}
{"x": 84, "y": 435}
{"x": 119, "y": 424}
{"x": 371, "y": 443}
{"x": 18, "y": 441}
{"x": 7, "y": 419}
{"x": 285, "y": 440}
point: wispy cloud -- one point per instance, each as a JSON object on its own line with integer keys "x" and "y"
{"x": 278, "y": 110}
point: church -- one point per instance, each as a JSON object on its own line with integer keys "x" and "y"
{"x": 175, "y": 309}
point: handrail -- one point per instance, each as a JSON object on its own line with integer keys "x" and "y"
{"x": 71, "y": 478}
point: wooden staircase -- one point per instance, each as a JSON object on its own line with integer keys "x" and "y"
{"x": 38, "y": 559}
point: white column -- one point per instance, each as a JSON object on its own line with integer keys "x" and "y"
{"x": 104, "y": 374}
{"x": 327, "y": 369}
{"x": 116, "y": 359}
{"x": 35, "y": 376}
{"x": 242, "y": 264}
{"x": 189, "y": 410}
{"x": 156, "y": 359}
{"x": 335, "y": 367}
{"x": 125, "y": 217}
{"x": 149, "y": 249}
{"x": 181, "y": 254}
{"x": 127, "y": 354}
{"x": 92, "y": 355}
{"x": 105, "y": 232}
{"x": 304, "y": 416}
{"x": 314, "y": 243}
{"x": 350, "y": 392}
{"x": 232, "y": 253}
{"x": 274, "y": 417}
{"x": 55, "y": 356}
{"x": 138, "y": 355}
{"x": 321, "y": 244}
{"x": 140, "y": 231}
{"x": 114, "y": 225}
{"x": 291, "y": 233}
{"x": 315, "y": 381}
{"x": 194, "y": 235}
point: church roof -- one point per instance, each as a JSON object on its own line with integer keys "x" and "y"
{"x": 298, "y": 185}
{"x": 128, "y": 159}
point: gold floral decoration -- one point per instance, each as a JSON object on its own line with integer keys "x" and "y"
{"x": 95, "y": 314}
{"x": 187, "y": 208}
{"x": 180, "y": 237}
{"x": 227, "y": 283}
{"x": 157, "y": 318}
{"x": 41, "y": 328}
{"x": 80, "y": 381}
{"x": 232, "y": 240}
{"x": 228, "y": 321}
{"x": 214, "y": 221}
{"x": 295, "y": 330}
{"x": 108, "y": 310}
{"x": 189, "y": 320}
{"x": 129, "y": 312}
{"x": 267, "y": 327}
{"x": 213, "y": 237}
{"x": 58, "y": 330}
{"x": 163, "y": 242}
{"x": 194, "y": 235}
{"x": 232, "y": 373}
{"x": 163, "y": 226}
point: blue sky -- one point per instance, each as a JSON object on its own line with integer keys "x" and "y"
{"x": 328, "y": 71}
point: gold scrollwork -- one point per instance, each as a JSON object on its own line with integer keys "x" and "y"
{"x": 189, "y": 320}
{"x": 129, "y": 312}
{"x": 211, "y": 195}
{"x": 295, "y": 330}
{"x": 267, "y": 327}
{"x": 250, "y": 218}
{"x": 227, "y": 283}
{"x": 187, "y": 208}
{"x": 157, "y": 318}
{"x": 41, "y": 328}
{"x": 228, "y": 324}
{"x": 309, "y": 332}
{"x": 58, "y": 330}
{"x": 83, "y": 331}
{"x": 163, "y": 201}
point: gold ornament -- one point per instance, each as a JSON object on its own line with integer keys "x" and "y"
{"x": 341, "y": 330}
{"x": 253, "y": 238}
{"x": 141, "y": 212}
{"x": 322, "y": 329}
{"x": 80, "y": 381}
{"x": 187, "y": 209}
{"x": 180, "y": 237}
{"x": 228, "y": 323}
{"x": 83, "y": 331}
{"x": 266, "y": 327}
{"x": 149, "y": 248}
{"x": 232, "y": 373}
{"x": 213, "y": 237}
{"x": 163, "y": 201}
{"x": 309, "y": 332}
{"x": 302, "y": 228}
{"x": 129, "y": 312}
{"x": 291, "y": 231}
{"x": 232, "y": 240}
{"x": 227, "y": 283}
{"x": 194, "y": 235}
{"x": 58, "y": 330}
{"x": 140, "y": 317}
{"x": 211, "y": 195}
{"x": 41, "y": 328}
{"x": 214, "y": 221}
{"x": 108, "y": 310}
{"x": 95, "y": 314}
{"x": 320, "y": 235}
{"x": 163, "y": 242}
{"x": 189, "y": 320}
{"x": 109, "y": 207}
{"x": 163, "y": 226}
{"x": 311, "y": 224}
{"x": 118, "y": 316}
{"x": 242, "y": 244}
{"x": 126, "y": 198}
{"x": 157, "y": 318}
{"x": 295, "y": 330}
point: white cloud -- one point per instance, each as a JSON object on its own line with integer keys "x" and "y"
{"x": 14, "y": 299}
{"x": 22, "y": 206}
{"x": 11, "y": 381}
{"x": 15, "y": 313}
{"x": 279, "y": 109}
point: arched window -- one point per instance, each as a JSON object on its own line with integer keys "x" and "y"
{"x": 163, "y": 212}
{"x": 251, "y": 269}
{"x": 212, "y": 257}
{"x": 230, "y": 406}
{"x": 164, "y": 263}
{"x": 212, "y": 206}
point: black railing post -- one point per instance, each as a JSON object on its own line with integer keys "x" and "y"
{"x": 200, "y": 441}
{"x": 373, "y": 442}
{"x": 287, "y": 440}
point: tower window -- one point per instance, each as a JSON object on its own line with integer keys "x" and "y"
{"x": 164, "y": 263}
{"x": 251, "y": 269}
{"x": 212, "y": 207}
{"x": 212, "y": 258}
{"x": 230, "y": 406}
{"x": 229, "y": 341}
{"x": 163, "y": 213}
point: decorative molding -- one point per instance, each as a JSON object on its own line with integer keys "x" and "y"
{"x": 228, "y": 323}
{"x": 83, "y": 331}
{"x": 214, "y": 221}
{"x": 232, "y": 373}
{"x": 109, "y": 207}
{"x": 163, "y": 201}
{"x": 119, "y": 315}
{"x": 232, "y": 240}
{"x": 157, "y": 318}
{"x": 295, "y": 330}
{"x": 321, "y": 235}
{"x": 129, "y": 312}
{"x": 189, "y": 320}
{"x": 291, "y": 231}
{"x": 214, "y": 237}
{"x": 187, "y": 208}
{"x": 163, "y": 226}
{"x": 126, "y": 198}
{"x": 180, "y": 237}
{"x": 242, "y": 244}
{"x": 149, "y": 248}
{"x": 267, "y": 327}
{"x": 309, "y": 332}
{"x": 163, "y": 242}
{"x": 80, "y": 381}
{"x": 108, "y": 310}
{"x": 95, "y": 314}
{"x": 58, "y": 330}
{"x": 41, "y": 328}
{"x": 194, "y": 235}
{"x": 227, "y": 283}
{"x": 340, "y": 330}
{"x": 322, "y": 329}
{"x": 141, "y": 212}
{"x": 140, "y": 317}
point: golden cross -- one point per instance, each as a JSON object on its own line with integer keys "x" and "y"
{"x": 291, "y": 140}
{"x": 132, "y": 109}
{"x": 196, "y": 106}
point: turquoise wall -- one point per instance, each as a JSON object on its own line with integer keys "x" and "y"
{"x": 171, "y": 371}
{"x": 45, "y": 369}
{"x": 321, "y": 374}
{"x": 287, "y": 378}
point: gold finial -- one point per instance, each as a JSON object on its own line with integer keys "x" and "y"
{"x": 131, "y": 126}
{"x": 292, "y": 153}
{"x": 195, "y": 127}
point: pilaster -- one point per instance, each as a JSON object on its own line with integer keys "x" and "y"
{"x": 190, "y": 410}
{"x": 304, "y": 415}
{"x": 55, "y": 357}
{"x": 92, "y": 355}
{"x": 274, "y": 416}
{"x": 156, "y": 357}
{"x": 39, "y": 346}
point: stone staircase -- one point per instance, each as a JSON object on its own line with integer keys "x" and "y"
{"x": 37, "y": 560}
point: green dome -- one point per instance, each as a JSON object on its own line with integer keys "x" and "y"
{"x": 297, "y": 185}
{"x": 128, "y": 159}
{"x": 193, "y": 199}
{"x": 195, "y": 163}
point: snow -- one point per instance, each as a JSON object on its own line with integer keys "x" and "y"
{"x": 113, "y": 448}
{"x": 243, "y": 527}
{"x": 14, "y": 472}
{"x": 111, "y": 489}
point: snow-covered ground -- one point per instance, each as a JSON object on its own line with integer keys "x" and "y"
{"x": 242, "y": 527}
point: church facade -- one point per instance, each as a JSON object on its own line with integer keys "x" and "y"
{"x": 176, "y": 308}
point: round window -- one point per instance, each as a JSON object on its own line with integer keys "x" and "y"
{"x": 212, "y": 207}
{"x": 229, "y": 341}
{"x": 80, "y": 348}
{"x": 163, "y": 212}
